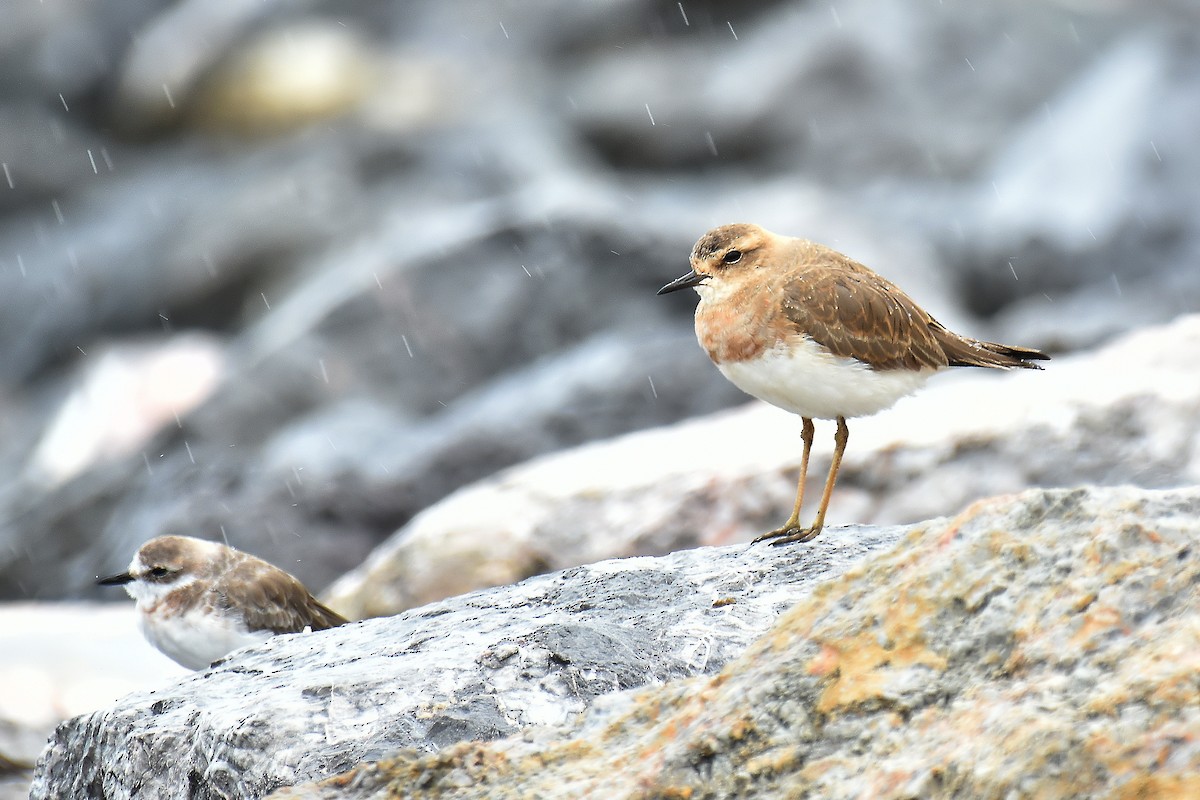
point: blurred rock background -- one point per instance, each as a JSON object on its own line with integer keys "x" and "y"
{"x": 289, "y": 273}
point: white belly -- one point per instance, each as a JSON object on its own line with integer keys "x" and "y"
{"x": 196, "y": 639}
{"x": 806, "y": 379}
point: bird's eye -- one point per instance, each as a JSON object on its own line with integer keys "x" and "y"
{"x": 159, "y": 572}
{"x": 732, "y": 257}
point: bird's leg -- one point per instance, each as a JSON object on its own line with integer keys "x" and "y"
{"x": 794, "y": 534}
{"x": 793, "y": 523}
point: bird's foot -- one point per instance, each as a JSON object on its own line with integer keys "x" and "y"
{"x": 787, "y": 535}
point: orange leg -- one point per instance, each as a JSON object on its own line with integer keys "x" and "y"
{"x": 791, "y": 530}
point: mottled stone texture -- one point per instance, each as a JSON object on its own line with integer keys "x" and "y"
{"x": 1041, "y": 645}
{"x": 473, "y": 667}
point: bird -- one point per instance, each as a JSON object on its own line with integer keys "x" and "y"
{"x": 200, "y": 600}
{"x": 812, "y": 331}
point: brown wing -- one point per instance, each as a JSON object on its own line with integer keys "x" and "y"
{"x": 857, "y": 314}
{"x": 275, "y": 601}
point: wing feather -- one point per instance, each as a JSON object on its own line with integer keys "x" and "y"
{"x": 857, "y": 314}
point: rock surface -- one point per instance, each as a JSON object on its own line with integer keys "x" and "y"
{"x": 1040, "y": 645}
{"x": 472, "y": 667}
{"x": 730, "y": 477}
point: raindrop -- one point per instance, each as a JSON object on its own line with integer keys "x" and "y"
{"x": 64, "y": 102}
{"x": 684, "y": 13}
{"x": 188, "y": 447}
{"x": 378, "y": 282}
{"x": 324, "y": 372}
{"x": 58, "y": 212}
{"x": 146, "y": 458}
{"x": 653, "y": 391}
{"x": 404, "y": 339}
{"x": 107, "y": 158}
{"x": 21, "y": 264}
{"x": 969, "y": 64}
{"x": 167, "y": 92}
{"x": 263, "y": 295}
{"x": 1013, "y": 270}
{"x": 80, "y": 349}
{"x": 712, "y": 145}
{"x": 1152, "y": 147}
{"x": 225, "y": 536}
{"x": 837, "y": 20}
{"x": 731, "y": 30}
{"x": 504, "y": 30}
{"x": 92, "y": 159}
{"x": 8, "y": 175}
{"x": 649, "y": 114}
{"x": 1117, "y": 285}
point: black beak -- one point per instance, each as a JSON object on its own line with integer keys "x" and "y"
{"x": 686, "y": 282}
{"x": 115, "y": 580}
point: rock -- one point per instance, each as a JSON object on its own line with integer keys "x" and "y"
{"x": 477, "y": 666}
{"x": 731, "y": 476}
{"x": 1038, "y": 645}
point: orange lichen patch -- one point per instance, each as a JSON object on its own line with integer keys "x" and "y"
{"x": 740, "y": 729}
{"x": 825, "y": 662}
{"x": 862, "y": 663}
{"x": 1159, "y": 785}
{"x": 774, "y": 761}
{"x": 1120, "y": 571}
{"x": 978, "y": 508}
{"x": 1161, "y": 669}
{"x": 1097, "y": 620}
{"x": 1083, "y": 601}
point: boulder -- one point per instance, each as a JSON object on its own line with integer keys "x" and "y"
{"x": 1039, "y": 645}
{"x": 478, "y": 666}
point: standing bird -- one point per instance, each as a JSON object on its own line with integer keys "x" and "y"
{"x": 814, "y": 332}
{"x": 200, "y": 600}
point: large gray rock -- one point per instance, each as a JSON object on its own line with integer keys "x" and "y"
{"x": 1039, "y": 645}
{"x": 474, "y": 667}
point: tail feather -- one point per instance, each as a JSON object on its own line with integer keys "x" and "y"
{"x": 964, "y": 352}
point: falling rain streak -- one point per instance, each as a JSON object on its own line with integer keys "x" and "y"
{"x": 651, "y": 116}
{"x": 684, "y": 15}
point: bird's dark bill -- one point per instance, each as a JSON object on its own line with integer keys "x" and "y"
{"x": 115, "y": 580}
{"x": 684, "y": 282}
